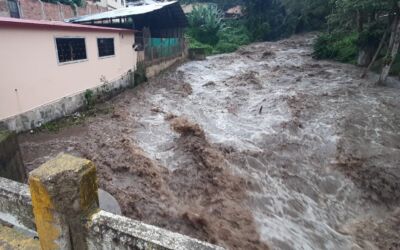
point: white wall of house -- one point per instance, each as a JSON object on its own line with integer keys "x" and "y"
{"x": 31, "y": 75}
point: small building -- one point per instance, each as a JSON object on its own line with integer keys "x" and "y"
{"x": 46, "y": 67}
{"x": 160, "y": 27}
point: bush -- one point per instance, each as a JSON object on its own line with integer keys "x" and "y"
{"x": 194, "y": 44}
{"x": 204, "y": 24}
{"x": 89, "y": 98}
{"x": 234, "y": 35}
{"x": 139, "y": 75}
{"x": 340, "y": 47}
{"x": 224, "y": 47}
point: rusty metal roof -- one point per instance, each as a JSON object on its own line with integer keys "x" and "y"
{"x": 123, "y": 12}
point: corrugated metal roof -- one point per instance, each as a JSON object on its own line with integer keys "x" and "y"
{"x": 129, "y": 11}
{"x": 16, "y": 22}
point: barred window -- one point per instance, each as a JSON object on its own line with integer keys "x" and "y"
{"x": 71, "y": 49}
{"x": 105, "y": 46}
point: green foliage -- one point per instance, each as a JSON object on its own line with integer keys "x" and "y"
{"x": 139, "y": 76}
{"x": 274, "y": 19}
{"x": 194, "y": 44}
{"x": 355, "y": 25}
{"x": 346, "y": 12}
{"x": 89, "y": 98}
{"x": 341, "y": 47}
{"x": 204, "y": 24}
{"x": 234, "y": 35}
{"x": 224, "y": 47}
{"x": 265, "y": 19}
{"x": 305, "y": 15}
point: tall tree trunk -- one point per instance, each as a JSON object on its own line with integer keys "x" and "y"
{"x": 382, "y": 42}
{"x": 392, "y": 52}
{"x": 393, "y": 30}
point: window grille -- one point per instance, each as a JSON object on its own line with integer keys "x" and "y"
{"x": 105, "y": 46}
{"x": 71, "y": 49}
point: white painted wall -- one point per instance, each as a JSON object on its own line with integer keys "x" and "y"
{"x": 30, "y": 75}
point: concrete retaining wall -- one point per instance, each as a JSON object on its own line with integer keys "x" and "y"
{"x": 157, "y": 67}
{"x": 63, "y": 107}
{"x": 11, "y": 165}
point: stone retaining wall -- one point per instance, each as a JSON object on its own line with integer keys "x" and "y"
{"x": 157, "y": 67}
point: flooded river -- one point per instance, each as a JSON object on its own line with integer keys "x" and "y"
{"x": 262, "y": 148}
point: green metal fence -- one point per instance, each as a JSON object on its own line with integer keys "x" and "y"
{"x": 158, "y": 48}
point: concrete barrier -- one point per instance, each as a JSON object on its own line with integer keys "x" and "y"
{"x": 64, "y": 202}
{"x": 110, "y": 231}
{"x": 156, "y": 67}
{"x": 16, "y": 205}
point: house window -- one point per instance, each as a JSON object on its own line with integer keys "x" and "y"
{"x": 13, "y": 7}
{"x": 105, "y": 46}
{"x": 71, "y": 49}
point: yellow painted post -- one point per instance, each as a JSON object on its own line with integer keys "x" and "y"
{"x": 64, "y": 195}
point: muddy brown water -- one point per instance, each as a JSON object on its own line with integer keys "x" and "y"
{"x": 261, "y": 148}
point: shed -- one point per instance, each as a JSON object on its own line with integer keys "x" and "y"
{"x": 161, "y": 26}
{"x": 161, "y": 18}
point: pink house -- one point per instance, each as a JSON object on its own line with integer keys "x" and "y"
{"x": 46, "y": 67}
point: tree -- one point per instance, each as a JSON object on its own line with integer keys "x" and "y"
{"x": 370, "y": 22}
{"x": 204, "y": 23}
{"x": 393, "y": 48}
{"x": 306, "y": 15}
{"x": 265, "y": 18}
{"x": 273, "y": 19}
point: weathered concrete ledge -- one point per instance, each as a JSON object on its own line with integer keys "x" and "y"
{"x": 16, "y": 204}
{"x": 12, "y": 238}
{"x": 62, "y": 107}
{"x": 110, "y": 231}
